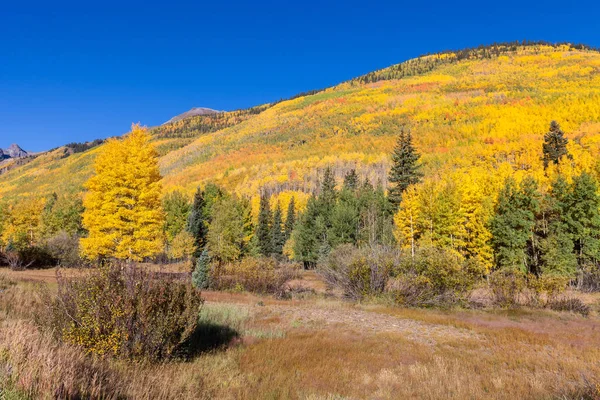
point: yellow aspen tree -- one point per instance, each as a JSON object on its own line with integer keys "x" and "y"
{"x": 123, "y": 212}
{"x": 406, "y": 220}
{"x": 476, "y": 212}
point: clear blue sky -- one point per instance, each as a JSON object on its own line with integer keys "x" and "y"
{"x": 76, "y": 71}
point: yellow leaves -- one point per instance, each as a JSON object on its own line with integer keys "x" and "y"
{"x": 123, "y": 211}
{"x": 22, "y": 225}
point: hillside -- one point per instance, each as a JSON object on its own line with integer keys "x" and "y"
{"x": 481, "y": 111}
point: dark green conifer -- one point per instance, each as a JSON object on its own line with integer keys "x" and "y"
{"x": 405, "y": 168}
{"x": 263, "y": 229}
{"x": 277, "y": 232}
{"x": 351, "y": 180}
{"x": 197, "y": 223}
{"x": 583, "y": 219}
{"x": 555, "y": 145}
{"x": 290, "y": 219}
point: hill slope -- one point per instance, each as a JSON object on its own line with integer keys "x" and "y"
{"x": 482, "y": 111}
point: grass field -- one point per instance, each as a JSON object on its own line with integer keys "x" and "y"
{"x": 319, "y": 347}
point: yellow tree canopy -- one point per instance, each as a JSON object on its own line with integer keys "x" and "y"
{"x": 123, "y": 212}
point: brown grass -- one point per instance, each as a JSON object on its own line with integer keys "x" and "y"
{"x": 525, "y": 354}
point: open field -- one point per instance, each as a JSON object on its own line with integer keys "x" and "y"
{"x": 320, "y": 347}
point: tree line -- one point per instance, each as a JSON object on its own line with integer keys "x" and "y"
{"x": 124, "y": 215}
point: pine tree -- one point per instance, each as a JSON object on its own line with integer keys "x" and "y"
{"x": 555, "y": 145}
{"x": 351, "y": 180}
{"x": 123, "y": 211}
{"x": 405, "y": 169}
{"x": 200, "y": 276}
{"x": 512, "y": 225}
{"x": 263, "y": 229}
{"x": 290, "y": 219}
{"x": 556, "y": 245}
{"x": 197, "y": 223}
{"x": 328, "y": 194}
{"x": 345, "y": 219}
{"x": 309, "y": 234}
{"x": 277, "y": 232}
{"x": 583, "y": 218}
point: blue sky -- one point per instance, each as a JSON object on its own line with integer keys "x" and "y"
{"x": 76, "y": 71}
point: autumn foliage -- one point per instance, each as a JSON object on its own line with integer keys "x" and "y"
{"x": 123, "y": 212}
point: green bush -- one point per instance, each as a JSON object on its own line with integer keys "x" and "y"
{"x": 124, "y": 311}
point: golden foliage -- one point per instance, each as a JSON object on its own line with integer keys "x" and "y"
{"x": 123, "y": 212}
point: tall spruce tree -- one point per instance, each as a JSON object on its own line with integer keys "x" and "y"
{"x": 263, "y": 229}
{"x": 309, "y": 235}
{"x": 328, "y": 195}
{"x": 556, "y": 245}
{"x": 277, "y": 232}
{"x": 513, "y": 224}
{"x": 351, "y": 180}
{"x": 290, "y": 219}
{"x": 583, "y": 218}
{"x": 555, "y": 145}
{"x": 197, "y": 223}
{"x": 405, "y": 168}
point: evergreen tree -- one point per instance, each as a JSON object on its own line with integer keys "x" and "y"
{"x": 556, "y": 245}
{"x": 351, "y": 180}
{"x": 345, "y": 219}
{"x": 197, "y": 223}
{"x": 277, "y": 232}
{"x": 328, "y": 195}
{"x": 512, "y": 225}
{"x": 201, "y": 273}
{"x": 309, "y": 234}
{"x": 583, "y": 218}
{"x": 263, "y": 229}
{"x": 405, "y": 169}
{"x": 555, "y": 145}
{"x": 290, "y": 219}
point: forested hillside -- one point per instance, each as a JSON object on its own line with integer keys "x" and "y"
{"x": 482, "y": 111}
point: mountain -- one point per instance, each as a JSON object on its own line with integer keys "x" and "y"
{"x": 192, "y": 113}
{"x": 474, "y": 114}
{"x": 14, "y": 151}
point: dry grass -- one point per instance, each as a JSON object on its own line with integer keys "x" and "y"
{"x": 522, "y": 354}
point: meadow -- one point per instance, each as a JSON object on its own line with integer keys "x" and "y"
{"x": 317, "y": 347}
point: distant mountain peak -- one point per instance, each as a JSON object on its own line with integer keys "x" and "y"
{"x": 192, "y": 113}
{"x": 14, "y": 151}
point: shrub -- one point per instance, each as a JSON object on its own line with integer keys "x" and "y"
{"x": 65, "y": 249}
{"x": 506, "y": 286}
{"x": 589, "y": 279}
{"x": 436, "y": 277}
{"x": 571, "y": 304}
{"x": 360, "y": 272}
{"x": 254, "y": 274}
{"x": 511, "y": 288}
{"x": 28, "y": 257}
{"x": 123, "y": 310}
